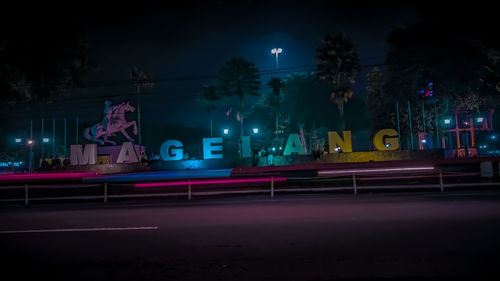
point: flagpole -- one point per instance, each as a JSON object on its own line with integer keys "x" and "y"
{"x": 411, "y": 129}
{"x": 399, "y": 131}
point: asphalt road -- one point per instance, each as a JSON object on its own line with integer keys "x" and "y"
{"x": 409, "y": 236}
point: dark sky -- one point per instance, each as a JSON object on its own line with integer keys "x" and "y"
{"x": 194, "y": 39}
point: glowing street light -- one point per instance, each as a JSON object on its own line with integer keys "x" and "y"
{"x": 30, "y": 142}
{"x": 276, "y": 52}
{"x": 447, "y": 121}
{"x": 45, "y": 140}
{"x": 18, "y": 140}
{"x": 255, "y": 130}
{"x": 225, "y": 131}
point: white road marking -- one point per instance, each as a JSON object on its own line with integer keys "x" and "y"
{"x": 79, "y": 229}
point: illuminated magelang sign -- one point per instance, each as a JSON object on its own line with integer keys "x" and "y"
{"x": 173, "y": 150}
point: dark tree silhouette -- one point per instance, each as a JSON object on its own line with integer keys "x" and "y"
{"x": 38, "y": 66}
{"x": 240, "y": 78}
{"x": 141, "y": 80}
{"x": 338, "y": 63}
{"x": 209, "y": 98}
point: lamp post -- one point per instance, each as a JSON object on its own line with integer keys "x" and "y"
{"x": 30, "y": 144}
{"x": 276, "y": 52}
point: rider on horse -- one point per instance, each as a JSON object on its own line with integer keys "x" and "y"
{"x": 113, "y": 121}
{"x": 108, "y": 110}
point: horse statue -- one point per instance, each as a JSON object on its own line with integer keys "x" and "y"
{"x": 113, "y": 122}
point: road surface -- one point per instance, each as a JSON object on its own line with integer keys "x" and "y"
{"x": 410, "y": 236}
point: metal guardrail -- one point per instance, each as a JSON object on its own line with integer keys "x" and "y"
{"x": 353, "y": 175}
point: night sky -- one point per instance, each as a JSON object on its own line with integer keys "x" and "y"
{"x": 193, "y": 40}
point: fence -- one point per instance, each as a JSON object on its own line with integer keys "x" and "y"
{"x": 416, "y": 178}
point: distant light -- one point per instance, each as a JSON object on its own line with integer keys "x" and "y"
{"x": 226, "y": 131}
{"x": 281, "y": 148}
{"x": 447, "y": 121}
{"x": 18, "y": 140}
{"x": 45, "y": 140}
{"x": 424, "y": 141}
{"x": 30, "y": 142}
{"x": 337, "y": 148}
{"x": 479, "y": 119}
{"x": 274, "y": 148}
{"x": 387, "y": 144}
{"x": 255, "y": 130}
{"x": 493, "y": 137}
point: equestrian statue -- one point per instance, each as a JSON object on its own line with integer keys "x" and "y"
{"x": 113, "y": 122}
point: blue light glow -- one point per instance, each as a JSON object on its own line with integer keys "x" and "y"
{"x": 164, "y": 175}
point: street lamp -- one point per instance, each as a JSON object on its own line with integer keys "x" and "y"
{"x": 255, "y": 130}
{"x": 225, "y": 131}
{"x": 276, "y": 52}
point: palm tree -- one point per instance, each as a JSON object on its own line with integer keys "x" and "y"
{"x": 276, "y": 84}
{"x": 141, "y": 80}
{"x": 338, "y": 63}
{"x": 210, "y": 98}
{"x": 240, "y": 78}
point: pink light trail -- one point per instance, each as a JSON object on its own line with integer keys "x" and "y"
{"x": 380, "y": 170}
{"x": 177, "y": 183}
{"x": 47, "y": 176}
